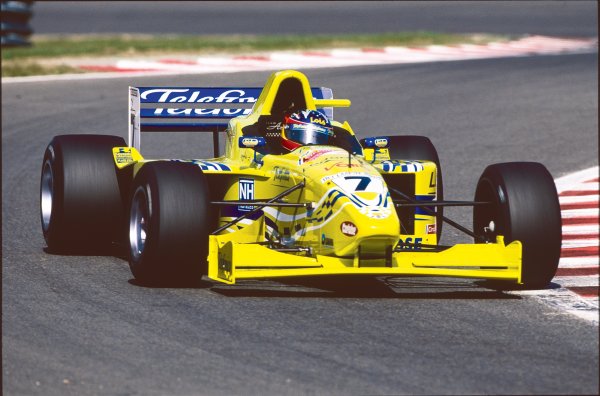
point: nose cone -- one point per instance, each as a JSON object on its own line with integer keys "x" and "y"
{"x": 373, "y": 228}
{"x": 354, "y": 208}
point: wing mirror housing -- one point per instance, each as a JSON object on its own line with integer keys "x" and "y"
{"x": 377, "y": 144}
{"x": 252, "y": 142}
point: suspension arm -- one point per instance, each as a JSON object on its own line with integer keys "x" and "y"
{"x": 424, "y": 206}
{"x": 404, "y": 204}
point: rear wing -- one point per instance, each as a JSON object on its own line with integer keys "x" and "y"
{"x": 200, "y": 109}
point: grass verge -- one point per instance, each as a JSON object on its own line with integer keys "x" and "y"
{"x": 46, "y": 51}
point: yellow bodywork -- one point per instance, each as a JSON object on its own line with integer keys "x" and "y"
{"x": 350, "y": 226}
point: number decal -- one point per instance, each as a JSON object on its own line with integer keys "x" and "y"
{"x": 363, "y": 182}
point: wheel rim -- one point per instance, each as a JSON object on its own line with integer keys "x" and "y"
{"x": 138, "y": 223}
{"x": 47, "y": 195}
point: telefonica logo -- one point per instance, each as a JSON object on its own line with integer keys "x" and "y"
{"x": 187, "y": 95}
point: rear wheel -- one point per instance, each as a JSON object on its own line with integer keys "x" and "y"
{"x": 524, "y": 207}
{"x": 169, "y": 224}
{"x": 419, "y": 148}
{"x": 80, "y": 201}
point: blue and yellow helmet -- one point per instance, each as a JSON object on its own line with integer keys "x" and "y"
{"x": 305, "y": 127}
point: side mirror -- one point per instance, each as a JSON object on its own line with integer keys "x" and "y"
{"x": 252, "y": 142}
{"x": 375, "y": 142}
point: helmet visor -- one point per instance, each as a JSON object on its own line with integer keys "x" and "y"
{"x": 307, "y": 133}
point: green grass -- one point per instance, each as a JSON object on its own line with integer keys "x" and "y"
{"x": 34, "y": 59}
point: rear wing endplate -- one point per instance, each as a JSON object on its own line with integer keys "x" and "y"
{"x": 181, "y": 109}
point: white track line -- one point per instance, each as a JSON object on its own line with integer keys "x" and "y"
{"x": 580, "y": 243}
{"x": 567, "y": 214}
{"x": 579, "y": 199}
{"x": 578, "y": 262}
{"x": 584, "y": 229}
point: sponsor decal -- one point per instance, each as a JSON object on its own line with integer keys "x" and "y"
{"x": 431, "y": 229}
{"x": 341, "y": 164}
{"x": 282, "y": 174}
{"x": 414, "y": 245}
{"x": 381, "y": 153}
{"x": 246, "y": 193}
{"x": 354, "y": 183}
{"x": 314, "y": 154}
{"x": 317, "y": 120}
{"x": 344, "y": 175}
{"x": 432, "y": 180}
{"x": 326, "y": 241}
{"x": 188, "y": 95}
{"x": 162, "y": 112}
{"x": 348, "y": 229}
{"x": 123, "y": 156}
{"x": 274, "y": 126}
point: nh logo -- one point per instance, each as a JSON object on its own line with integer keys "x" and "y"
{"x": 246, "y": 193}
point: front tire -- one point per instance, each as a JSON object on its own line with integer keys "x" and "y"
{"x": 524, "y": 207}
{"x": 169, "y": 224}
{"x": 80, "y": 202}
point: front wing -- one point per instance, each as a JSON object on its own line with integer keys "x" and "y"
{"x": 239, "y": 255}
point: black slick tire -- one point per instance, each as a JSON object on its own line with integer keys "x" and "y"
{"x": 169, "y": 224}
{"x": 80, "y": 202}
{"x": 524, "y": 207}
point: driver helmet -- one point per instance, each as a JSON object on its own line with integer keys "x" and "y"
{"x": 305, "y": 127}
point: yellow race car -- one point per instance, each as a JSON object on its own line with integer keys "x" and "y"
{"x": 295, "y": 194}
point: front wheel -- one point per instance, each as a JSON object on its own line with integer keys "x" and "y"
{"x": 523, "y": 206}
{"x": 169, "y": 222}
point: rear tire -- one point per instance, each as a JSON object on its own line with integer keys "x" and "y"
{"x": 169, "y": 224}
{"x": 525, "y": 207}
{"x": 80, "y": 202}
{"x": 419, "y": 148}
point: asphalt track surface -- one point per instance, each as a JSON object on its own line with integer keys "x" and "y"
{"x": 558, "y": 18}
{"x": 81, "y": 325}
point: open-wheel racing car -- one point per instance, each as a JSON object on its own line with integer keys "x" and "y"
{"x": 337, "y": 206}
